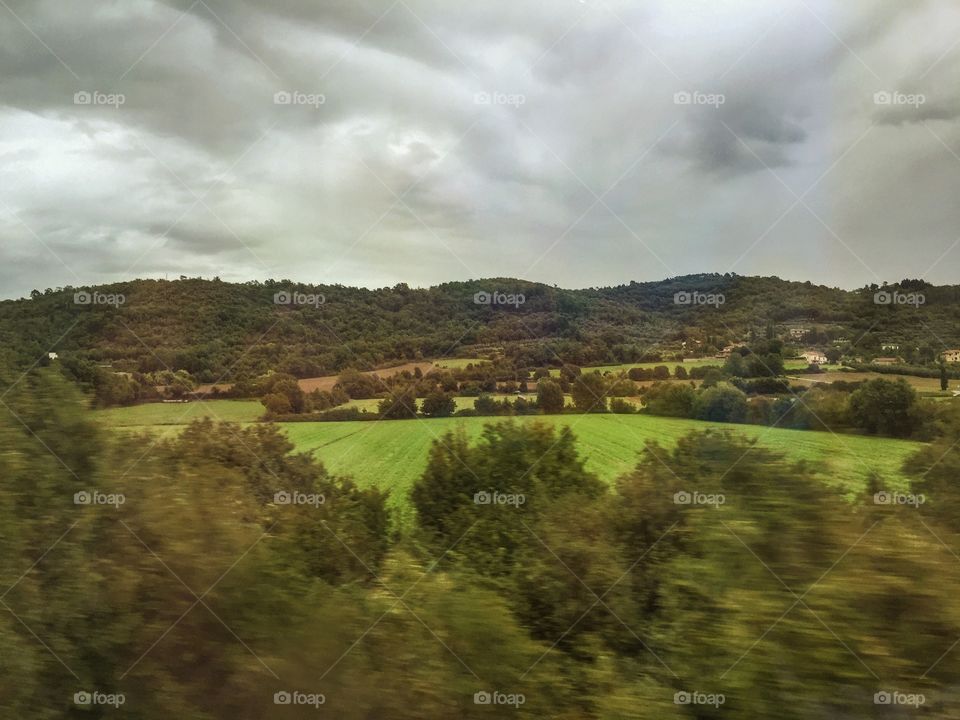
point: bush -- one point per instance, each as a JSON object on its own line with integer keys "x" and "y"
{"x": 622, "y": 407}
{"x": 722, "y": 403}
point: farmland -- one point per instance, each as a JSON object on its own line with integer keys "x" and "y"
{"x": 393, "y": 454}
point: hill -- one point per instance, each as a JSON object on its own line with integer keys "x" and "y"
{"x": 219, "y": 331}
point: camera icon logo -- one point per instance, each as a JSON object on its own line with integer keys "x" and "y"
{"x": 682, "y": 698}
{"x": 82, "y": 298}
{"x": 82, "y": 698}
{"x": 282, "y": 298}
{"x": 282, "y": 698}
{"x": 82, "y": 98}
{"x": 482, "y": 498}
{"x": 883, "y": 97}
{"x": 482, "y": 298}
{"x": 282, "y": 98}
{"x": 682, "y": 98}
{"x": 82, "y": 498}
{"x": 682, "y": 498}
{"x": 482, "y": 698}
{"x": 882, "y": 698}
{"x": 883, "y": 297}
{"x": 882, "y": 498}
{"x": 682, "y": 298}
{"x": 282, "y": 498}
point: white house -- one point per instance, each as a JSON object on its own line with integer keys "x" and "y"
{"x": 52, "y": 355}
{"x": 814, "y": 357}
{"x": 951, "y": 356}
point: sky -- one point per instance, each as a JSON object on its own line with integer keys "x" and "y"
{"x": 574, "y": 142}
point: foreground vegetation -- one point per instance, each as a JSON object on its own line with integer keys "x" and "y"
{"x": 708, "y": 577}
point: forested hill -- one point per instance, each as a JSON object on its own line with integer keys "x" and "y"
{"x": 218, "y": 330}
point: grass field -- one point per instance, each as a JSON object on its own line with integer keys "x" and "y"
{"x": 393, "y": 454}
{"x": 152, "y": 414}
{"x": 458, "y": 362}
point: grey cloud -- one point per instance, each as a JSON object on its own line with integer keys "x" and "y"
{"x": 503, "y": 189}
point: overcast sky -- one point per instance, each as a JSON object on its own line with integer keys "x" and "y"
{"x": 575, "y": 142}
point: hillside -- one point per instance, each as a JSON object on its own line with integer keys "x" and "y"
{"x": 216, "y": 330}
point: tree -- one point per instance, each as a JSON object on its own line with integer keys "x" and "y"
{"x": 680, "y": 372}
{"x": 550, "y": 396}
{"x": 439, "y": 404}
{"x": 885, "y": 407}
{"x": 589, "y": 393}
{"x": 671, "y": 399}
{"x": 399, "y": 405}
{"x": 721, "y": 403}
{"x": 944, "y": 383}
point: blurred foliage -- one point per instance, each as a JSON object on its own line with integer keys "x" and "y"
{"x": 234, "y": 569}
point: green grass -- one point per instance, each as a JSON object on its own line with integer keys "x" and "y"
{"x": 700, "y": 362}
{"x": 393, "y": 454}
{"x": 181, "y": 413}
{"x": 458, "y": 363}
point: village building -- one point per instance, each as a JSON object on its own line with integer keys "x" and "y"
{"x": 814, "y": 357}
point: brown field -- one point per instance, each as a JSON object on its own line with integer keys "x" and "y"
{"x": 327, "y": 382}
{"x": 918, "y": 383}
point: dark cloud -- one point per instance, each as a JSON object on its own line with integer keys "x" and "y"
{"x": 426, "y": 141}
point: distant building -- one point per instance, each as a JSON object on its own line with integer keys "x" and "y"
{"x": 889, "y": 346}
{"x": 52, "y": 356}
{"x": 798, "y": 332}
{"x": 726, "y": 352}
{"x": 951, "y": 356}
{"x": 814, "y": 357}
{"x": 887, "y": 361}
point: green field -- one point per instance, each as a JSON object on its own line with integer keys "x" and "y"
{"x": 700, "y": 362}
{"x": 151, "y": 414}
{"x": 392, "y": 454}
{"x": 458, "y": 363}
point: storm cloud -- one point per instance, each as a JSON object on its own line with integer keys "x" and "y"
{"x": 577, "y": 142}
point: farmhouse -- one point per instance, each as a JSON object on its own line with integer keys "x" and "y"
{"x": 951, "y": 356}
{"x": 726, "y": 352}
{"x": 814, "y": 357}
{"x": 887, "y": 361}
